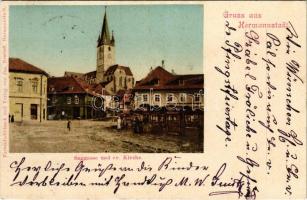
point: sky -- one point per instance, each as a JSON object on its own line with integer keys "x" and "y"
{"x": 64, "y": 38}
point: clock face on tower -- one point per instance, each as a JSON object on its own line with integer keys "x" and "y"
{"x": 109, "y": 55}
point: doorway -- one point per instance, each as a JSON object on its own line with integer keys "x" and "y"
{"x": 33, "y": 111}
{"x": 19, "y": 112}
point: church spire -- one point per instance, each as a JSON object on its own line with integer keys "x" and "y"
{"x": 113, "y": 39}
{"x": 104, "y": 38}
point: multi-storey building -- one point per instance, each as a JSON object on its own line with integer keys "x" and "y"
{"x": 28, "y": 91}
{"x": 72, "y": 98}
{"x": 161, "y": 88}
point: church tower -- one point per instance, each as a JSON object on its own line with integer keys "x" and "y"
{"x": 105, "y": 50}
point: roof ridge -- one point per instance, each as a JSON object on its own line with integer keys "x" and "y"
{"x": 25, "y": 64}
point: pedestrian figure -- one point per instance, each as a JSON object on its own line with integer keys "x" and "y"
{"x": 63, "y": 115}
{"x": 133, "y": 125}
{"x": 136, "y": 125}
{"x": 141, "y": 125}
{"x": 125, "y": 123}
{"x": 119, "y": 123}
{"x": 68, "y": 125}
{"x": 12, "y": 119}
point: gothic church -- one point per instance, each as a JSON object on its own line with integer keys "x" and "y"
{"x": 108, "y": 75}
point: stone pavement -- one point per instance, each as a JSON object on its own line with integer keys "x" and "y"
{"x": 92, "y": 137}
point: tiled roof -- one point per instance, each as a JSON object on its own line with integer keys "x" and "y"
{"x": 68, "y": 85}
{"x": 158, "y": 73}
{"x": 74, "y": 74}
{"x": 99, "y": 89}
{"x": 187, "y": 79}
{"x": 18, "y": 65}
{"x": 160, "y": 79}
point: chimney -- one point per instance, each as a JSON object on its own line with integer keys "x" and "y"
{"x": 150, "y": 69}
{"x": 173, "y": 72}
{"x": 163, "y": 66}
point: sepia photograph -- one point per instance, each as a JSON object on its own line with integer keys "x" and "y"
{"x": 106, "y": 79}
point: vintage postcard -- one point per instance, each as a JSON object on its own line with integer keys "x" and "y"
{"x": 153, "y": 100}
{"x": 94, "y": 90}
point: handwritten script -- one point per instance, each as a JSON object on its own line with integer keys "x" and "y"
{"x": 119, "y": 177}
{"x": 259, "y": 59}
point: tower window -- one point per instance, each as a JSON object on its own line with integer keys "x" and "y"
{"x": 109, "y": 48}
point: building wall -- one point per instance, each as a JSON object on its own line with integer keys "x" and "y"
{"x": 105, "y": 58}
{"x": 120, "y": 81}
{"x": 22, "y": 96}
{"x": 190, "y": 99}
{"x": 80, "y": 106}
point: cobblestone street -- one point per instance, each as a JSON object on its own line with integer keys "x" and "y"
{"x": 92, "y": 137}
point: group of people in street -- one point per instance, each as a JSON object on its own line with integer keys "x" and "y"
{"x": 11, "y": 119}
{"x": 137, "y": 125}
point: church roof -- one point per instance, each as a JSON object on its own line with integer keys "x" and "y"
{"x": 91, "y": 74}
{"x": 113, "y": 68}
{"x": 110, "y": 71}
{"x": 18, "y": 65}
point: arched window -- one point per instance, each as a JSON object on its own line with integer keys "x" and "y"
{"x": 120, "y": 81}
